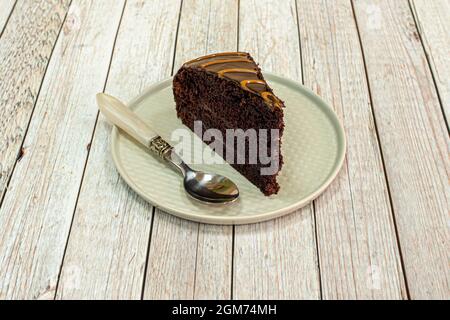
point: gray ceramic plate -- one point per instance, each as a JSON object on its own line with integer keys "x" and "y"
{"x": 313, "y": 149}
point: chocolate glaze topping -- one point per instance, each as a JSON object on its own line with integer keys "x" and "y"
{"x": 239, "y": 67}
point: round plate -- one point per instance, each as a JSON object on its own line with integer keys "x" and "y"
{"x": 313, "y": 151}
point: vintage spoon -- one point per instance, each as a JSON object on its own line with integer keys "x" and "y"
{"x": 202, "y": 186}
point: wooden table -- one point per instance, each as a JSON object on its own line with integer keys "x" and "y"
{"x": 71, "y": 228}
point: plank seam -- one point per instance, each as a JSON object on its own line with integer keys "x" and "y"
{"x": 313, "y": 203}
{"x": 415, "y": 16}
{"x": 176, "y": 38}
{"x": 153, "y": 215}
{"x": 19, "y": 152}
{"x": 7, "y": 20}
{"x": 316, "y": 240}
{"x": 299, "y": 42}
{"x": 88, "y": 154}
{"x": 232, "y": 262}
{"x": 233, "y": 230}
{"x": 238, "y": 23}
{"x": 147, "y": 255}
{"x": 402, "y": 263}
{"x": 196, "y": 261}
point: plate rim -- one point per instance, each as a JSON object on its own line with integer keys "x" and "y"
{"x": 236, "y": 220}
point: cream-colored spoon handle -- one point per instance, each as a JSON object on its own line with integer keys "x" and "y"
{"x": 120, "y": 115}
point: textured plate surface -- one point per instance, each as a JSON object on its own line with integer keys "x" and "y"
{"x": 313, "y": 149}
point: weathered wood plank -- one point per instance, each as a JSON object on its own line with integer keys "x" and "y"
{"x": 188, "y": 260}
{"x": 172, "y": 258}
{"x": 414, "y": 141}
{"x": 433, "y": 21}
{"x": 110, "y": 233}
{"x": 275, "y": 259}
{"x": 38, "y": 207}
{"x": 214, "y": 262}
{"x": 25, "y": 48}
{"x": 358, "y": 253}
{"x": 5, "y": 10}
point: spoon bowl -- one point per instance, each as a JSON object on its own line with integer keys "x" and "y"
{"x": 210, "y": 187}
{"x": 207, "y": 187}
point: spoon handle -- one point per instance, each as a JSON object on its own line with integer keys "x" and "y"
{"x": 120, "y": 115}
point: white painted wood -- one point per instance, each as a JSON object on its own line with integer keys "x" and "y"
{"x": 202, "y": 29}
{"x": 111, "y": 229}
{"x": 25, "y": 48}
{"x": 359, "y": 256}
{"x": 433, "y": 21}
{"x": 5, "y": 10}
{"x": 38, "y": 207}
{"x": 107, "y": 249}
{"x": 117, "y": 113}
{"x": 414, "y": 141}
{"x": 188, "y": 260}
{"x": 214, "y": 262}
{"x": 275, "y": 259}
{"x": 172, "y": 258}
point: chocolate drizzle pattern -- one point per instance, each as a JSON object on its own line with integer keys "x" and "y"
{"x": 237, "y": 66}
{"x": 222, "y": 61}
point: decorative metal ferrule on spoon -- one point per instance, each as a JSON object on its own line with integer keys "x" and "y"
{"x": 159, "y": 146}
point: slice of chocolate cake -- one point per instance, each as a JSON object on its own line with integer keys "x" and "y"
{"x": 228, "y": 91}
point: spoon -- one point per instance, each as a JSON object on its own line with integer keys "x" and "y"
{"x": 206, "y": 187}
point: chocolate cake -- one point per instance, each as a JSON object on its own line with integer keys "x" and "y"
{"x": 228, "y": 91}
